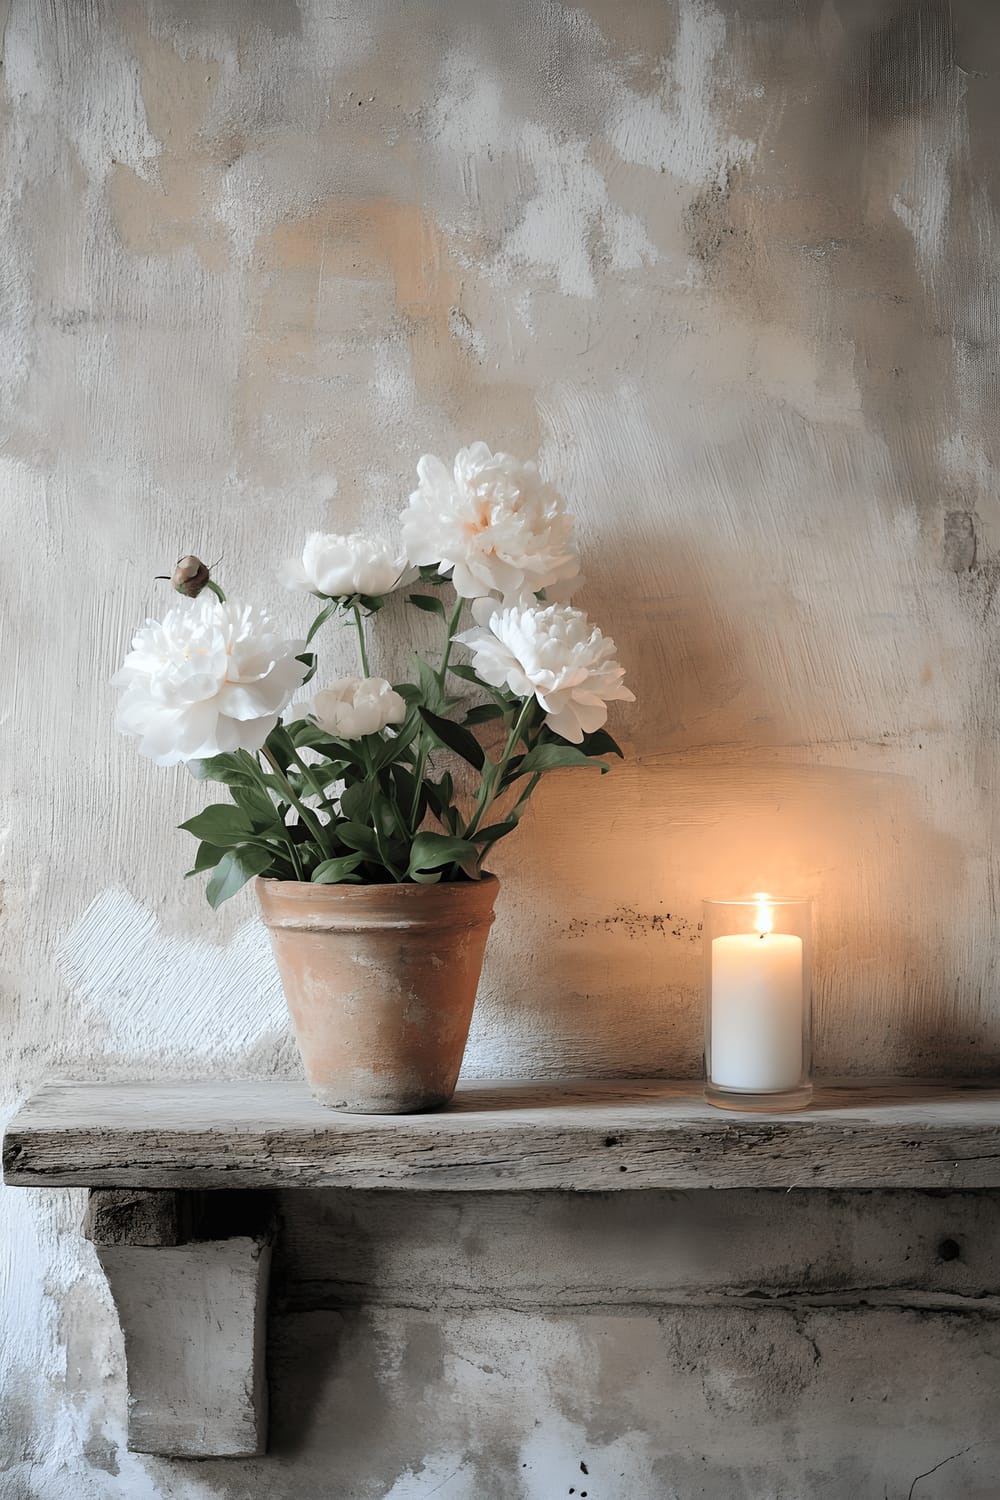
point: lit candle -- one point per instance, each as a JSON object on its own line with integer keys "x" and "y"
{"x": 757, "y": 1003}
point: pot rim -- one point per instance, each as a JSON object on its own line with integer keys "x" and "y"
{"x": 350, "y": 890}
{"x": 299, "y": 905}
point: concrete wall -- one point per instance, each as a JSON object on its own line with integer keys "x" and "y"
{"x": 730, "y": 269}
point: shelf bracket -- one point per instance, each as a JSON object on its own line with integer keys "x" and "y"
{"x": 189, "y": 1277}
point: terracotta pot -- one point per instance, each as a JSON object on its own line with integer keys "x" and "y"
{"x": 380, "y": 981}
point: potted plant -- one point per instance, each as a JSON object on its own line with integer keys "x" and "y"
{"x": 367, "y": 815}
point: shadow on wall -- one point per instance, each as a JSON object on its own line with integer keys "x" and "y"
{"x": 608, "y": 977}
{"x": 603, "y": 974}
{"x": 865, "y": 230}
{"x": 751, "y": 772}
{"x": 733, "y": 797}
{"x": 916, "y": 88}
{"x": 896, "y": 67}
{"x": 313, "y": 1327}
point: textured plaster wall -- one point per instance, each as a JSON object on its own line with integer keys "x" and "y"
{"x": 730, "y": 270}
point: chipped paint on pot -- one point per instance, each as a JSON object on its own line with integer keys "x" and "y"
{"x": 380, "y": 982}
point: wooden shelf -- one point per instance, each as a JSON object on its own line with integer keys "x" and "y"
{"x": 507, "y": 1136}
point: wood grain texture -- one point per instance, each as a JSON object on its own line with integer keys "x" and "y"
{"x": 580, "y": 1136}
{"x": 138, "y": 1217}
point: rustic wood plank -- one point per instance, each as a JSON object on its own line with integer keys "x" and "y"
{"x": 577, "y": 1136}
{"x": 119, "y": 1216}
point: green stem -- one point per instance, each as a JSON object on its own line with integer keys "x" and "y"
{"x": 495, "y": 775}
{"x": 308, "y": 772}
{"x": 532, "y": 783}
{"x": 418, "y": 777}
{"x": 210, "y": 583}
{"x": 286, "y": 839}
{"x": 452, "y": 626}
{"x": 328, "y": 609}
{"x": 420, "y": 765}
{"x": 314, "y": 826}
{"x": 514, "y": 812}
{"x": 372, "y": 775}
{"x": 296, "y": 864}
{"x": 359, "y": 623}
{"x": 387, "y": 862}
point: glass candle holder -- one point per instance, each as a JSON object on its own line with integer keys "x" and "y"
{"x": 758, "y": 1003}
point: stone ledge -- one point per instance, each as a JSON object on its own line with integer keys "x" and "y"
{"x": 192, "y": 1303}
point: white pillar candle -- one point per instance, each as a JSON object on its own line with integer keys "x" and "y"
{"x": 757, "y": 1011}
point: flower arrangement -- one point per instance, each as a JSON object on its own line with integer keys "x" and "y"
{"x": 351, "y": 787}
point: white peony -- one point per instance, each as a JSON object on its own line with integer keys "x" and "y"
{"x": 493, "y": 522}
{"x": 209, "y": 678}
{"x": 338, "y": 566}
{"x": 356, "y": 706}
{"x": 555, "y": 653}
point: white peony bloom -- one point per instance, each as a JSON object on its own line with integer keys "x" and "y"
{"x": 209, "y": 678}
{"x": 335, "y": 566}
{"x": 555, "y": 653}
{"x": 355, "y": 706}
{"x": 493, "y": 522}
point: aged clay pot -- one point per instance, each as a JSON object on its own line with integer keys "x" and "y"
{"x": 380, "y": 981}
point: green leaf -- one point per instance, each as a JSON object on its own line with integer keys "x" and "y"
{"x": 551, "y": 757}
{"x": 256, "y": 804}
{"x": 326, "y": 776}
{"x": 333, "y": 871}
{"x": 432, "y": 851}
{"x": 309, "y": 852}
{"x": 221, "y": 825}
{"x": 432, "y": 694}
{"x": 440, "y": 796}
{"x": 496, "y": 831}
{"x": 228, "y": 770}
{"x": 502, "y": 697}
{"x": 234, "y": 869}
{"x": 385, "y": 751}
{"x": 356, "y": 801}
{"x": 454, "y": 737}
{"x": 321, "y": 620}
{"x": 358, "y": 836}
{"x": 428, "y": 603}
{"x": 601, "y": 743}
{"x": 308, "y": 736}
{"x": 279, "y": 743}
{"x": 405, "y": 790}
{"x": 483, "y": 713}
{"x": 310, "y": 661}
{"x": 383, "y": 815}
{"x": 207, "y": 858}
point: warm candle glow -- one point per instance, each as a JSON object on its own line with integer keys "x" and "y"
{"x": 765, "y": 913}
{"x": 757, "y": 1031}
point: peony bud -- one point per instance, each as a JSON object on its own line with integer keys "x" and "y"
{"x": 189, "y": 576}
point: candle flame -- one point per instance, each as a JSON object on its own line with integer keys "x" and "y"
{"x": 765, "y": 913}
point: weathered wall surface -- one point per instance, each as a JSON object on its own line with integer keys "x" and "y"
{"x": 730, "y": 269}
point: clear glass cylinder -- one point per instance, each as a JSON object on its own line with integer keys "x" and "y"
{"x": 758, "y": 1003}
